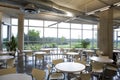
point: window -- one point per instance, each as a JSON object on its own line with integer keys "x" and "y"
{"x": 37, "y": 34}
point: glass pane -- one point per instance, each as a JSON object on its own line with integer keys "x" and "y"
{"x": 33, "y": 38}
{"x": 64, "y": 38}
{"x": 50, "y": 38}
{"x": 95, "y": 27}
{"x": 87, "y": 26}
{"x": 64, "y": 25}
{"x": 75, "y": 38}
{"x": 47, "y": 23}
{"x": 50, "y": 32}
{"x": 26, "y": 22}
{"x": 14, "y": 31}
{"x": 36, "y": 32}
{"x": 14, "y": 21}
{"x": 5, "y": 30}
{"x": 35, "y": 23}
{"x": 75, "y": 34}
{"x": 5, "y": 35}
{"x": 95, "y": 39}
{"x": 87, "y": 34}
{"x": 76, "y": 26}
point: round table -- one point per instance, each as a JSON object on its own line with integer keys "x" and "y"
{"x": 18, "y": 76}
{"x": 25, "y": 51}
{"x": 71, "y": 55}
{"x": 101, "y": 59}
{"x": 70, "y": 67}
{"x": 6, "y": 52}
{"x": 5, "y": 57}
{"x": 39, "y": 52}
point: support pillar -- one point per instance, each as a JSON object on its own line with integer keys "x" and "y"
{"x": 105, "y": 32}
{"x": 21, "y": 32}
{"x": 20, "y": 43}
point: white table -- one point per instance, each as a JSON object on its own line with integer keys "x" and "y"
{"x": 70, "y": 67}
{"x": 101, "y": 59}
{"x": 6, "y": 57}
{"x": 18, "y": 76}
{"x": 6, "y": 52}
{"x": 39, "y": 52}
{"x": 116, "y": 51}
{"x": 71, "y": 55}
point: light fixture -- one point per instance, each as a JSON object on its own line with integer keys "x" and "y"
{"x": 98, "y": 10}
{"x": 104, "y": 8}
{"x": 31, "y": 9}
{"x": 69, "y": 14}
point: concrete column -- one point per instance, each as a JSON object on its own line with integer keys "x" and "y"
{"x": 20, "y": 32}
{"x": 105, "y": 32}
{"x": 20, "y": 42}
{"x": 1, "y": 37}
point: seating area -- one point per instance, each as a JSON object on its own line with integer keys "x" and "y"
{"x": 95, "y": 67}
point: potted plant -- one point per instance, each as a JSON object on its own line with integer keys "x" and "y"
{"x": 85, "y": 43}
{"x": 12, "y": 44}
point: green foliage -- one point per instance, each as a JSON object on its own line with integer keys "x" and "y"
{"x": 78, "y": 45}
{"x": 12, "y": 44}
{"x": 32, "y": 46}
{"x": 33, "y": 35}
{"x": 85, "y": 43}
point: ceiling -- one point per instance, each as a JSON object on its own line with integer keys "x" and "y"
{"x": 58, "y": 9}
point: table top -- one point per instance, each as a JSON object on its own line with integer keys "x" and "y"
{"x": 27, "y": 51}
{"x": 70, "y": 67}
{"x": 101, "y": 59}
{"x": 72, "y": 53}
{"x": 116, "y": 51}
{"x": 39, "y": 52}
{"x": 18, "y": 76}
{"x": 89, "y": 51}
{"x": 6, "y": 52}
{"x": 6, "y": 57}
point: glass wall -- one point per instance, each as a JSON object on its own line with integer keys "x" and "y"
{"x": 38, "y": 35}
{"x": 5, "y": 35}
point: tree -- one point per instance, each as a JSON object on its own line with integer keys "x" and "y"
{"x": 62, "y": 39}
{"x": 32, "y": 35}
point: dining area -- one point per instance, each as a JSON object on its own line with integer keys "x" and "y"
{"x": 84, "y": 67}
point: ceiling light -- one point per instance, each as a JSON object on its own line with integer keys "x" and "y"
{"x": 69, "y": 14}
{"x": 90, "y": 13}
{"x": 104, "y": 8}
{"x": 98, "y": 10}
{"x": 31, "y": 9}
